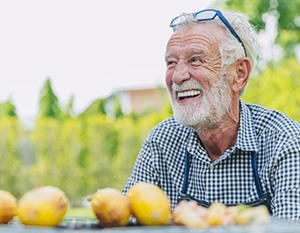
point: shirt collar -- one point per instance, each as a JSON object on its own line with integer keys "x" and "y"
{"x": 247, "y": 138}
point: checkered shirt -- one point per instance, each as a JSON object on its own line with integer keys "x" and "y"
{"x": 271, "y": 134}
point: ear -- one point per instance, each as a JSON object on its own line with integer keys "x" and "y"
{"x": 243, "y": 70}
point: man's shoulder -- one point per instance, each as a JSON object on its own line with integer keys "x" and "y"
{"x": 273, "y": 120}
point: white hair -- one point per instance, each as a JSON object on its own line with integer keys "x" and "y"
{"x": 240, "y": 23}
{"x": 230, "y": 48}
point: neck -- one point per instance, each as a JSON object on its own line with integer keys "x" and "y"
{"x": 216, "y": 140}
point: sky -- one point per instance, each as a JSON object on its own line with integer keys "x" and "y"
{"x": 88, "y": 48}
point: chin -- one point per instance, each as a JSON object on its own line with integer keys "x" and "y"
{"x": 187, "y": 114}
{"x": 186, "y": 118}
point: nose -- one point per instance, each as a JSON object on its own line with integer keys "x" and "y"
{"x": 181, "y": 72}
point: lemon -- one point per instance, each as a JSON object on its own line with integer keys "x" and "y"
{"x": 149, "y": 204}
{"x": 111, "y": 207}
{"x": 43, "y": 206}
{"x": 8, "y": 207}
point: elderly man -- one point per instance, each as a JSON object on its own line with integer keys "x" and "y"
{"x": 216, "y": 147}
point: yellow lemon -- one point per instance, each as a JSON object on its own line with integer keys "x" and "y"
{"x": 43, "y": 206}
{"x": 111, "y": 207}
{"x": 149, "y": 204}
{"x": 8, "y": 207}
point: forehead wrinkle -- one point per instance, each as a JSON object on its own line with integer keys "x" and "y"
{"x": 194, "y": 51}
{"x": 195, "y": 40}
{"x": 202, "y": 40}
{"x": 202, "y": 32}
{"x": 190, "y": 47}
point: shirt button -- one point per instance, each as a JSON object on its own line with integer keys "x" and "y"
{"x": 211, "y": 167}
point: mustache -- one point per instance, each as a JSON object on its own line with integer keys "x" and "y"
{"x": 187, "y": 85}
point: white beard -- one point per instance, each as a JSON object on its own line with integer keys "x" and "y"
{"x": 214, "y": 105}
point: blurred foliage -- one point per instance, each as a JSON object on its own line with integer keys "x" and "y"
{"x": 277, "y": 88}
{"x": 286, "y": 12}
{"x": 77, "y": 155}
{"x": 12, "y": 175}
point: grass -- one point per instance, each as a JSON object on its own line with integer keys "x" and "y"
{"x": 81, "y": 212}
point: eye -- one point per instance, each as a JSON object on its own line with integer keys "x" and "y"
{"x": 196, "y": 61}
{"x": 171, "y": 63}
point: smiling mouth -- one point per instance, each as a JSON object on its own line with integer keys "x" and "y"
{"x": 188, "y": 94}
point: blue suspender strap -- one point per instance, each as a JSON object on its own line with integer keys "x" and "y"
{"x": 265, "y": 198}
{"x": 255, "y": 175}
{"x": 183, "y": 194}
{"x": 186, "y": 172}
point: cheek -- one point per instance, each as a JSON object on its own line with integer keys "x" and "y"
{"x": 212, "y": 69}
{"x": 168, "y": 79}
{"x": 205, "y": 77}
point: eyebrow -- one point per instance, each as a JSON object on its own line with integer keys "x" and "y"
{"x": 169, "y": 55}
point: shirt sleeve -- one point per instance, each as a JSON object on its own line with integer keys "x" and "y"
{"x": 286, "y": 182}
{"x": 144, "y": 168}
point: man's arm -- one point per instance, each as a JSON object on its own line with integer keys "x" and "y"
{"x": 286, "y": 181}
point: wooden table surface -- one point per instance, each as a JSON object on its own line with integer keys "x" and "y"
{"x": 274, "y": 226}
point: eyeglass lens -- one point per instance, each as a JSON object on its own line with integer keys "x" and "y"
{"x": 205, "y": 15}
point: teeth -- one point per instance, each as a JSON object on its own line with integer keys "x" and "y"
{"x": 184, "y": 94}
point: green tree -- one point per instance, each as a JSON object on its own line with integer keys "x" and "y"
{"x": 48, "y": 104}
{"x": 96, "y": 107}
{"x": 8, "y": 109}
{"x": 68, "y": 110}
{"x": 118, "y": 108}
